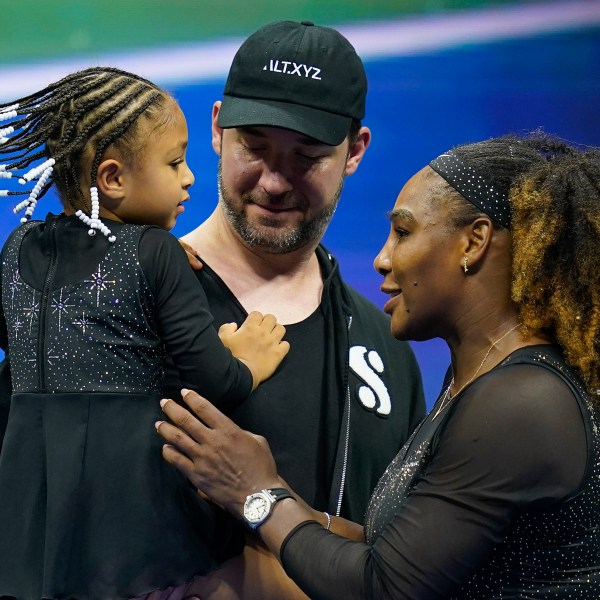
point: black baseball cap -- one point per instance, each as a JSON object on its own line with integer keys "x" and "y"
{"x": 298, "y": 76}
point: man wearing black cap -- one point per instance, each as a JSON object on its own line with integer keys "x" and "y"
{"x": 288, "y": 131}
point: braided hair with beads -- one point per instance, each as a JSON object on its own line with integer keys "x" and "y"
{"x": 59, "y": 134}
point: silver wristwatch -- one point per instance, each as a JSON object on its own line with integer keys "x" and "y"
{"x": 258, "y": 506}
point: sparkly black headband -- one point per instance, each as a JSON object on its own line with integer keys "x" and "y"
{"x": 474, "y": 188}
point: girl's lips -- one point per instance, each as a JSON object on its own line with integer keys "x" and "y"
{"x": 180, "y": 208}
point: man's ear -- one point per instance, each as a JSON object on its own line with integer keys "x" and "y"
{"x": 217, "y": 132}
{"x": 111, "y": 180}
{"x": 357, "y": 150}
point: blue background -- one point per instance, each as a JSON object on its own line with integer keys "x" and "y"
{"x": 419, "y": 106}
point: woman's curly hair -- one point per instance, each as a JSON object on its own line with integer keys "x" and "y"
{"x": 556, "y": 250}
{"x": 554, "y": 192}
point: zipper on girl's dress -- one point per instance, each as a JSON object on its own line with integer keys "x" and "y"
{"x": 46, "y": 291}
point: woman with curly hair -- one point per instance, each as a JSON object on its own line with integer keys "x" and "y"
{"x": 494, "y": 247}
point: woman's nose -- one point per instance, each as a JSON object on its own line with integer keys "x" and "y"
{"x": 382, "y": 262}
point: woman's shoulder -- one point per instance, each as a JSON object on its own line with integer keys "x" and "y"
{"x": 526, "y": 397}
{"x": 531, "y": 379}
{"x": 526, "y": 416}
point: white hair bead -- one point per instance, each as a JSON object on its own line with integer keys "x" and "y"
{"x": 5, "y": 116}
{"x": 93, "y": 221}
{"x": 19, "y": 206}
{"x": 33, "y": 173}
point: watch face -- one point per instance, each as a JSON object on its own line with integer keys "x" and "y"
{"x": 256, "y": 508}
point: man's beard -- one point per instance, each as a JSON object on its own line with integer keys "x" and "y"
{"x": 271, "y": 238}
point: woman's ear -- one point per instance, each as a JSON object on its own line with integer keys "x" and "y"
{"x": 477, "y": 241}
{"x": 110, "y": 180}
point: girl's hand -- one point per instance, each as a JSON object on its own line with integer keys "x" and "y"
{"x": 257, "y": 343}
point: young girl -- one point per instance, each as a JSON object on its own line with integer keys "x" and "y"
{"x": 93, "y": 301}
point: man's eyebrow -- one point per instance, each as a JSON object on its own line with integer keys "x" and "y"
{"x": 400, "y": 213}
{"x": 252, "y": 131}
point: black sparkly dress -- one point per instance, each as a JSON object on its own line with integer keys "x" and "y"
{"x": 88, "y": 507}
{"x": 498, "y": 497}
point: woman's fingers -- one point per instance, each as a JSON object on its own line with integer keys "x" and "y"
{"x": 187, "y": 426}
{"x": 207, "y": 412}
{"x": 218, "y": 457}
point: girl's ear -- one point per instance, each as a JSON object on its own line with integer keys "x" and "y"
{"x": 110, "y": 179}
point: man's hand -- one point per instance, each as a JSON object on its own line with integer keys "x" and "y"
{"x": 192, "y": 255}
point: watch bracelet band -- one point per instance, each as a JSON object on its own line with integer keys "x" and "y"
{"x": 278, "y": 493}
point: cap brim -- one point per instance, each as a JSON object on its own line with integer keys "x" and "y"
{"x": 321, "y": 125}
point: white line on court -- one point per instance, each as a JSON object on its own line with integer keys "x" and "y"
{"x": 205, "y": 61}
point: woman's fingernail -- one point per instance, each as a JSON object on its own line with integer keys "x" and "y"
{"x": 157, "y": 424}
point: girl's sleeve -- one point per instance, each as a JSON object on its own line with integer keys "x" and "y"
{"x": 185, "y": 324}
{"x": 515, "y": 442}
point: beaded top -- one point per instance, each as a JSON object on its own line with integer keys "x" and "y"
{"x": 549, "y": 549}
{"x": 97, "y": 335}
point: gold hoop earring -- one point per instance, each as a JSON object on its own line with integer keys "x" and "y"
{"x": 465, "y": 264}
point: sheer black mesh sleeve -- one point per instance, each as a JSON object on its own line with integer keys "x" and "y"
{"x": 515, "y": 441}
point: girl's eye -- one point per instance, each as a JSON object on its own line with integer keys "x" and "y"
{"x": 401, "y": 232}
{"x": 176, "y": 164}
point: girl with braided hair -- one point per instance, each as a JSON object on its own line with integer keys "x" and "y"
{"x": 93, "y": 302}
{"x": 494, "y": 247}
